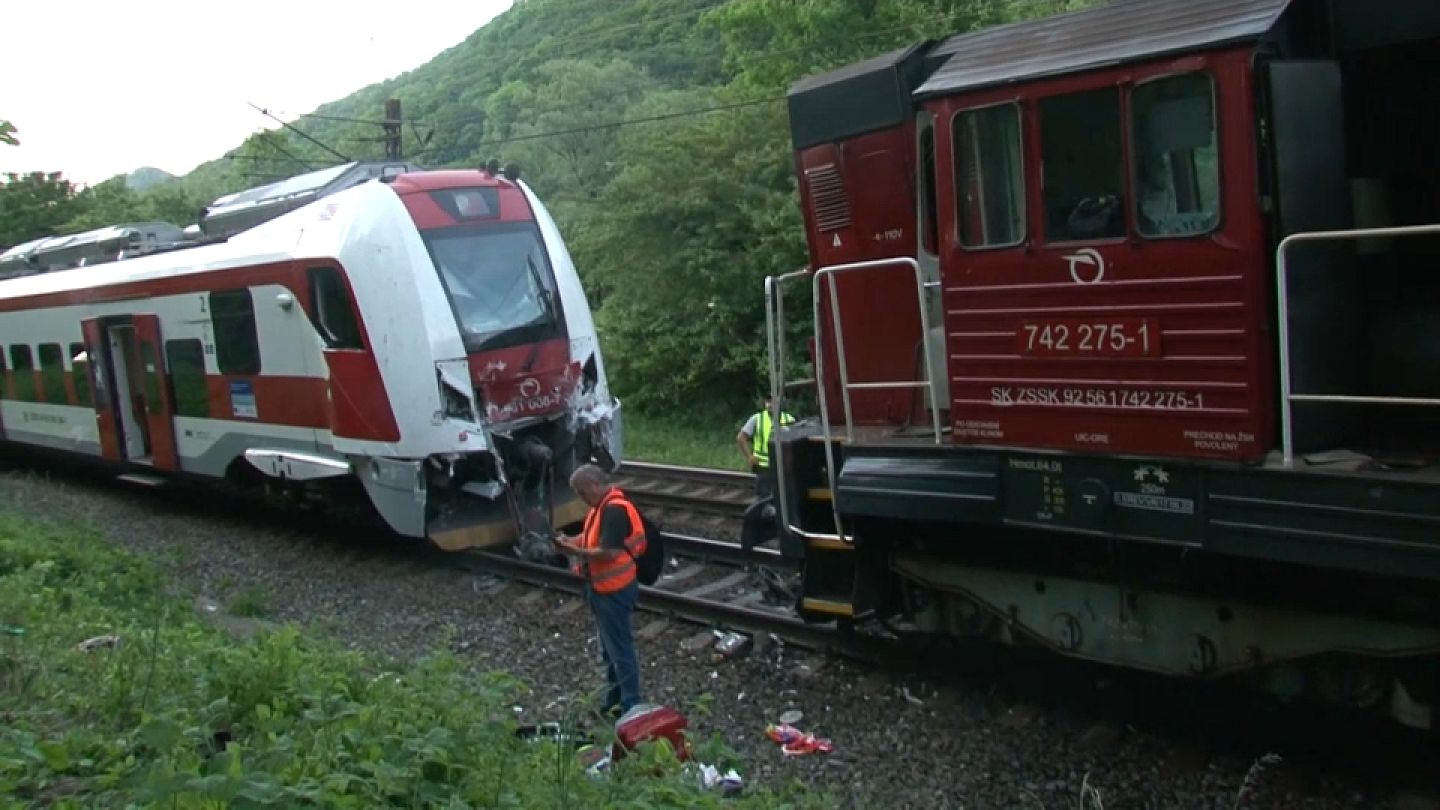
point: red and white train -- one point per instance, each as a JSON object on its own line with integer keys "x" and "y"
{"x": 422, "y": 334}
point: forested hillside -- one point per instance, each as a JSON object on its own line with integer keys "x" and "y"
{"x": 655, "y": 130}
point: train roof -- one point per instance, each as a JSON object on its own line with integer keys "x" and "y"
{"x": 1122, "y": 31}
{"x": 273, "y": 241}
{"x": 233, "y": 213}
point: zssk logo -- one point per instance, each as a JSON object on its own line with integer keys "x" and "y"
{"x": 1092, "y": 262}
{"x": 529, "y": 388}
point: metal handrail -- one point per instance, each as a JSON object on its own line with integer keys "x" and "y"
{"x": 775, "y": 333}
{"x": 1282, "y": 297}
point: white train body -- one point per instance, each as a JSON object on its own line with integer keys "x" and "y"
{"x": 426, "y": 336}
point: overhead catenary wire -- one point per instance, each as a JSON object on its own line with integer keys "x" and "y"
{"x": 300, "y": 132}
{"x": 282, "y": 150}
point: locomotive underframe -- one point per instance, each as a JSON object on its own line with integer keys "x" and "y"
{"x": 1318, "y": 583}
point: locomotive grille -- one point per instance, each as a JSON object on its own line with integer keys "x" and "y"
{"x": 827, "y": 194}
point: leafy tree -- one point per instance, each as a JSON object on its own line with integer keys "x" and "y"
{"x": 34, "y": 205}
{"x": 7, "y": 133}
{"x": 556, "y": 125}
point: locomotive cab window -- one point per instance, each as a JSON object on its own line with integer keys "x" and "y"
{"x": 1080, "y": 143}
{"x": 929, "y": 229}
{"x": 1176, "y": 165}
{"x": 52, "y": 373}
{"x": 332, "y": 314}
{"x": 989, "y": 176}
{"x": 237, "y": 345}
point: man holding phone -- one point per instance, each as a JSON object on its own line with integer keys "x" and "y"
{"x": 604, "y": 553}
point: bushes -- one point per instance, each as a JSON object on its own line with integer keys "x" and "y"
{"x": 181, "y": 715}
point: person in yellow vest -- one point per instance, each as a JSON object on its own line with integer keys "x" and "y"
{"x": 604, "y": 553}
{"x": 754, "y": 441}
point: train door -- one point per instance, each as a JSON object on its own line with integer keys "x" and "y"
{"x": 102, "y": 382}
{"x": 129, "y": 408}
{"x": 134, "y": 409}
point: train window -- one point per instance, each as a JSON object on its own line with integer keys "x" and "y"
{"x": 52, "y": 373}
{"x": 23, "y": 364}
{"x": 1177, "y": 167}
{"x": 332, "y": 314}
{"x": 153, "y": 402}
{"x": 80, "y": 374}
{"x": 929, "y": 230}
{"x": 185, "y": 360}
{"x": 1080, "y": 143}
{"x": 989, "y": 176}
{"x": 237, "y": 344}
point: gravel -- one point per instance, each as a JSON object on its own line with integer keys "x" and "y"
{"x": 901, "y": 739}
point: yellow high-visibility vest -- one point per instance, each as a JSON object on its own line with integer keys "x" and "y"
{"x": 763, "y": 429}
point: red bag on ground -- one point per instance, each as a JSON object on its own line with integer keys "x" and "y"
{"x": 646, "y": 723}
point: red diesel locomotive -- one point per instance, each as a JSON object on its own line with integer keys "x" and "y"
{"x": 1125, "y": 342}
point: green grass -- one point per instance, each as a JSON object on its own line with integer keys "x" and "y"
{"x": 181, "y": 715}
{"x": 698, "y": 442}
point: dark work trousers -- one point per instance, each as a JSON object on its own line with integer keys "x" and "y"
{"x": 764, "y": 482}
{"x": 612, "y": 613}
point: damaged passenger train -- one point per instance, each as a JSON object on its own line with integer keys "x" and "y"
{"x": 420, "y": 339}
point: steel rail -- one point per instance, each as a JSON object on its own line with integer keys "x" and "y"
{"x": 702, "y": 475}
{"x": 677, "y": 605}
{"x": 721, "y": 551}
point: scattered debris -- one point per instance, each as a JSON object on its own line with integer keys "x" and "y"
{"x": 909, "y": 698}
{"x": 553, "y": 732}
{"x": 98, "y": 643}
{"x": 791, "y": 717}
{"x": 594, "y": 760}
{"x": 710, "y": 778}
{"x": 794, "y": 742}
{"x": 731, "y": 645}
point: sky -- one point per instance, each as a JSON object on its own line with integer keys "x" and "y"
{"x": 97, "y": 88}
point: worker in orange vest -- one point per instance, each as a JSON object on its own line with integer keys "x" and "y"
{"x": 604, "y": 553}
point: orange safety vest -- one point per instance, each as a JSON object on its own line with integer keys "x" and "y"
{"x": 609, "y": 576}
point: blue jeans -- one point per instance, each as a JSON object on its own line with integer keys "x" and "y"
{"x": 617, "y": 644}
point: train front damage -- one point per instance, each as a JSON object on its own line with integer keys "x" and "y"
{"x": 516, "y": 394}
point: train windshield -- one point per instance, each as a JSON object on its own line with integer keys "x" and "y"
{"x": 499, "y": 282}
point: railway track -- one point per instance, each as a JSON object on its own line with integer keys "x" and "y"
{"x": 706, "y": 582}
{"x": 693, "y": 489}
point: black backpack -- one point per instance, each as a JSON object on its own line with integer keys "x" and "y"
{"x": 651, "y": 563}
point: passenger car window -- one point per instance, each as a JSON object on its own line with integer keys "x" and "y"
{"x": 237, "y": 345}
{"x": 1080, "y": 143}
{"x": 52, "y": 373}
{"x": 185, "y": 360}
{"x": 80, "y": 374}
{"x": 22, "y": 365}
{"x": 989, "y": 176}
{"x": 1177, "y": 167}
